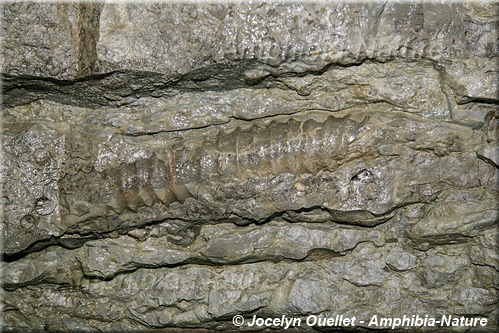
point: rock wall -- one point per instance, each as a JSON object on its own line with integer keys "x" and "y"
{"x": 173, "y": 165}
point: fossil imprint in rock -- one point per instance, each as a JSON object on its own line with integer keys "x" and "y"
{"x": 293, "y": 146}
{"x": 175, "y": 173}
{"x": 241, "y": 163}
{"x": 356, "y": 169}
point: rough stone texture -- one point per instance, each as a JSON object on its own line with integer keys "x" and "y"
{"x": 171, "y": 165}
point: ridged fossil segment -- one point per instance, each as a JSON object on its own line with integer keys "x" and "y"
{"x": 174, "y": 173}
{"x": 315, "y": 167}
{"x": 293, "y": 146}
{"x": 241, "y": 163}
{"x": 142, "y": 183}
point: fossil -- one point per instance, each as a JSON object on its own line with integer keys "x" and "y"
{"x": 250, "y": 172}
{"x": 174, "y": 174}
{"x": 317, "y": 167}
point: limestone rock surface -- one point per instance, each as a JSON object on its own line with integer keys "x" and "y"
{"x": 167, "y": 166}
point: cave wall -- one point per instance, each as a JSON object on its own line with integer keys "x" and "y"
{"x": 172, "y": 165}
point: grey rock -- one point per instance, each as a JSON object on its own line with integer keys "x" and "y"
{"x": 453, "y": 219}
{"x": 465, "y": 88}
{"x": 400, "y": 260}
{"x": 219, "y": 244}
{"x": 107, "y": 259}
{"x": 316, "y": 34}
{"x": 210, "y": 292}
{"x": 84, "y": 188}
{"x": 49, "y": 39}
{"x": 282, "y": 240}
{"x": 485, "y": 253}
{"x": 167, "y": 166}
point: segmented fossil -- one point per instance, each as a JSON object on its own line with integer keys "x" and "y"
{"x": 173, "y": 174}
{"x": 358, "y": 170}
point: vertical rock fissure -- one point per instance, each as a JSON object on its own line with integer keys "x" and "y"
{"x": 88, "y": 36}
